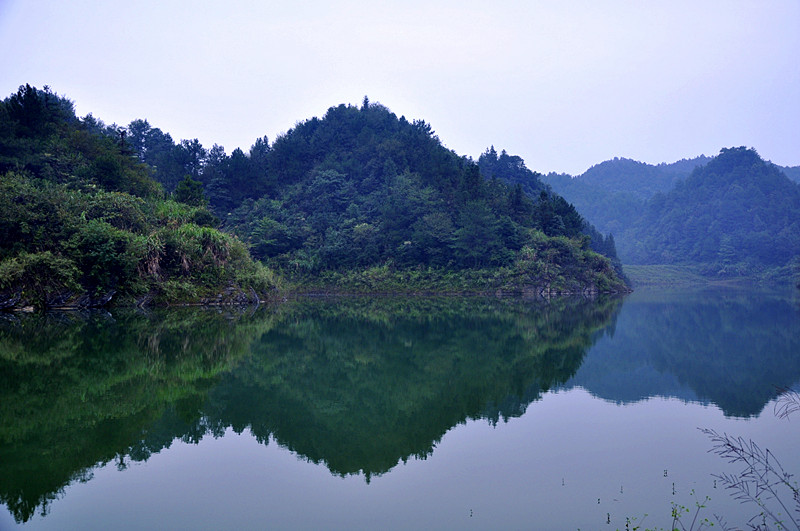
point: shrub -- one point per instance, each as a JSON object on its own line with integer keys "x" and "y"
{"x": 41, "y": 278}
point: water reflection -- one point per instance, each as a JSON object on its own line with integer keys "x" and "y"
{"x": 733, "y": 348}
{"x": 81, "y": 390}
{"x": 366, "y": 385}
{"x": 357, "y": 384}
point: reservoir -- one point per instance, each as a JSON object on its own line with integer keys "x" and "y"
{"x": 397, "y": 413}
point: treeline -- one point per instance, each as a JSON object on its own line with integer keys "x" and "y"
{"x": 361, "y": 187}
{"x": 84, "y": 222}
{"x": 731, "y": 215}
{"x": 560, "y": 216}
{"x": 737, "y": 215}
{"x": 92, "y": 210}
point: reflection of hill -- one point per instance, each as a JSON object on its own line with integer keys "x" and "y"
{"x": 361, "y": 393}
{"x": 731, "y": 348}
{"x": 77, "y": 391}
{"x": 358, "y": 385}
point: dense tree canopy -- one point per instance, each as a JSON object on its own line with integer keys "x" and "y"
{"x": 737, "y": 215}
{"x": 360, "y": 187}
{"x": 355, "y": 189}
{"x": 555, "y": 216}
{"x": 82, "y": 219}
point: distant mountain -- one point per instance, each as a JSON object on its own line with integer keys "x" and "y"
{"x": 639, "y": 178}
{"x": 792, "y": 172}
{"x": 736, "y": 215}
{"x": 611, "y": 194}
{"x": 742, "y": 222}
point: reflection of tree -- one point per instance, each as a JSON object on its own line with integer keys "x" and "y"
{"x": 78, "y": 391}
{"x": 732, "y": 348}
{"x": 362, "y": 387}
{"x": 355, "y": 384}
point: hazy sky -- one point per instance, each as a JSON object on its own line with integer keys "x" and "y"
{"x": 563, "y": 84}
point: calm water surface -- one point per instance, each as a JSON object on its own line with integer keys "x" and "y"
{"x": 392, "y": 413}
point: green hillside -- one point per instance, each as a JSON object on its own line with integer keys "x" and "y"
{"x": 511, "y": 169}
{"x": 84, "y": 223}
{"x": 360, "y": 199}
{"x": 612, "y": 194}
{"x": 737, "y": 215}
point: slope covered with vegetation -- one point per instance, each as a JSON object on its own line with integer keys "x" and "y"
{"x": 733, "y": 215}
{"x": 358, "y": 198}
{"x": 362, "y": 198}
{"x": 563, "y": 218}
{"x": 83, "y": 221}
{"x": 612, "y": 194}
{"x": 737, "y": 215}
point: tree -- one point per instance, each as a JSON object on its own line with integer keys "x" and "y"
{"x": 190, "y": 192}
{"x": 476, "y": 239}
{"x": 192, "y": 155}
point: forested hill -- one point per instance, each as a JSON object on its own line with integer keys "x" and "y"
{"x": 511, "y": 169}
{"x": 611, "y": 194}
{"x": 736, "y": 215}
{"x": 83, "y": 223}
{"x": 361, "y": 188}
{"x": 358, "y": 193}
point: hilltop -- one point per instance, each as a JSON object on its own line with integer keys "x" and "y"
{"x": 359, "y": 200}
{"x": 737, "y": 215}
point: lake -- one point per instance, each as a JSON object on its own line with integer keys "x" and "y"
{"x": 394, "y": 413}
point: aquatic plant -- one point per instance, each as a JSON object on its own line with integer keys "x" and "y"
{"x": 763, "y": 481}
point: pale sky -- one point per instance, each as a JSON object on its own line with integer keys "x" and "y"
{"x": 563, "y": 84}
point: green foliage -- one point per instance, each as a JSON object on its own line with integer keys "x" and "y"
{"x": 738, "y": 215}
{"x": 106, "y": 255}
{"x": 476, "y": 238}
{"x": 190, "y": 192}
{"x": 551, "y": 214}
{"x": 354, "y": 190}
{"x": 548, "y": 266}
{"x": 357, "y": 384}
{"x": 67, "y": 241}
{"x": 40, "y": 133}
{"x": 361, "y": 188}
{"x": 39, "y": 277}
{"x": 78, "y": 209}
